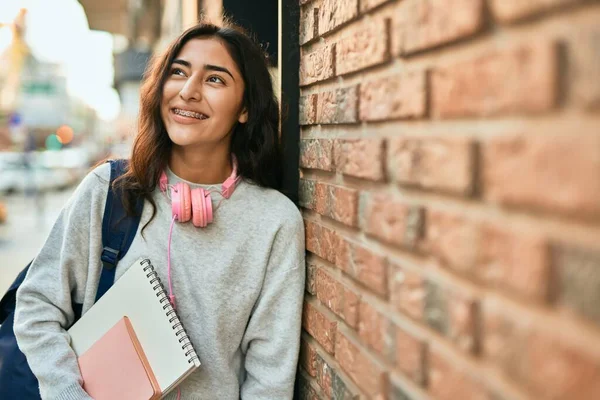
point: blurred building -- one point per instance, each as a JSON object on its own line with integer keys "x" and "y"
{"x": 34, "y": 101}
{"x": 11, "y": 64}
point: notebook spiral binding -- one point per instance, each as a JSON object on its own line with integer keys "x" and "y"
{"x": 176, "y": 324}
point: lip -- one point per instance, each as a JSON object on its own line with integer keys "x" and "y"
{"x": 183, "y": 119}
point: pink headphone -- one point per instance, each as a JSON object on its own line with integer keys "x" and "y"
{"x": 196, "y": 204}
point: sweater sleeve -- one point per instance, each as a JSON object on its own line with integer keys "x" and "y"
{"x": 272, "y": 339}
{"x": 44, "y": 300}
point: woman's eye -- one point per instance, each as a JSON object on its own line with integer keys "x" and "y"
{"x": 216, "y": 79}
{"x": 177, "y": 71}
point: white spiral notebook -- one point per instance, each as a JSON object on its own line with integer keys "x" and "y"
{"x": 140, "y": 295}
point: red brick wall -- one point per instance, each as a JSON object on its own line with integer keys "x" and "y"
{"x": 450, "y": 184}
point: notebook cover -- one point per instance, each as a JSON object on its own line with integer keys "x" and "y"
{"x": 116, "y": 368}
{"x": 139, "y": 294}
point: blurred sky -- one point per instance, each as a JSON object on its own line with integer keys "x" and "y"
{"x": 58, "y": 32}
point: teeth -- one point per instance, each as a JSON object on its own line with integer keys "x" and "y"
{"x": 189, "y": 114}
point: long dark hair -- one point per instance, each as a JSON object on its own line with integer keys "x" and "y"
{"x": 255, "y": 144}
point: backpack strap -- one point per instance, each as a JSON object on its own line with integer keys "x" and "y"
{"x": 118, "y": 229}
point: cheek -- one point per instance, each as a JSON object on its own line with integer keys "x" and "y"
{"x": 228, "y": 105}
{"x": 170, "y": 90}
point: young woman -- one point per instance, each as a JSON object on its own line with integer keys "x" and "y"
{"x": 207, "y": 109}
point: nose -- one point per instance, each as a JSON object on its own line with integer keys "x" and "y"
{"x": 191, "y": 91}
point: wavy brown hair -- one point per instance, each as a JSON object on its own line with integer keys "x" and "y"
{"x": 255, "y": 144}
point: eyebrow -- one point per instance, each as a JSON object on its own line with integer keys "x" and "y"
{"x": 208, "y": 67}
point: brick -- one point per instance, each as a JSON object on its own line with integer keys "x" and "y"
{"x": 316, "y": 154}
{"x": 350, "y": 306}
{"x": 393, "y": 221}
{"x": 584, "y": 68}
{"x": 505, "y": 340}
{"x": 306, "y": 194}
{"x": 308, "y": 109}
{"x": 318, "y": 65}
{"x": 453, "y": 240}
{"x": 436, "y": 308}
{"x": 304, "y": 389}
{"x": 338, "y": 106}
{"x": 448, "y": 381}
{"x": 515, "y": 10}
{"x": 308, "y": 358}
{"x": 338, "y": 203}
{"x": 516, "y": 262}
{"x": 341, "y": 391}
{"x": 452, "y": 315}
{"x": 324, "y": 376}
{"x": 578, "y": 281}
{"x": 321, "y": 241}
{"x": 558, "y": 371}
{"x": 375, "y": 330}
{"x": 397, "y": 96}
{"x": 410, "y": 355}
{"x": 334, "y": 13}
{"x": 319, "y": 327}
{"x": 327, "y": 292}
{"x": 321, "y": 198}
{"x": 522, "y": 170}
{"x": 337, "y": 297}
{"x": 539, "y": 361}
{"x": 367, "y": 5}
{"x": 433, "y": 163}
{"x": 311, "y": 272}
{"x": 429, "y": 23}
{"x": 521, "y": 79}
{"x": 366, "y": 47}
{"x": 408, "y": 292}
{"x": 361, "y": 158}
{"x": 497, "y": 256}
{"x": 368, "y": 375}
{"x": 309, "y": 17}
{"x": 368, "y": 268}
{"x": 463, "y": 316}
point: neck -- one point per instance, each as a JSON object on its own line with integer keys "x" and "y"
{"x": 204, "y": 166}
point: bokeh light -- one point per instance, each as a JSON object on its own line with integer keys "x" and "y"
{"x": 53, "y": 143}
{"x": 64, "y": 134}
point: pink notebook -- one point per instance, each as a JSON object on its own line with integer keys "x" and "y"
{"x": 116, "y": 368}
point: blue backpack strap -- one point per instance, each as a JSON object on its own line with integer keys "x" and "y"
{"x": 118, "y": 229}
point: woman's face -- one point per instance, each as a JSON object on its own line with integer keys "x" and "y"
{"x": 203, "y": 94}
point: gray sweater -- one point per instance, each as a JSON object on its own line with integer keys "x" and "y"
{"x": 238, "y": 283}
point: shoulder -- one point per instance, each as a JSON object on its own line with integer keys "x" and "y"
{"x": 282, "y": 222}
{"x": 93, "y": 187}
{"x": 276, "y": 206}
{"x": 96, "y": 180}
{"x": 99, "y": 176}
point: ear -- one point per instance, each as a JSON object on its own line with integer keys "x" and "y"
{"x": 243, "y": 118}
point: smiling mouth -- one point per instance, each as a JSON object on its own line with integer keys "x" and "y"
{"x": 190, "y": 114}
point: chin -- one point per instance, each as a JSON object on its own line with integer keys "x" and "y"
{"x": 183, "y": 140}
{"x": 182, "y": 137}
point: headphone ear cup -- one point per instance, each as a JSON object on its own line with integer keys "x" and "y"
{"x": 208, "y": 208}
{"x": 203, "y": 193}
{"x": 181, "y": 202}
{"x": 176, "y": 202}
{"x": 197, "y": 199}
